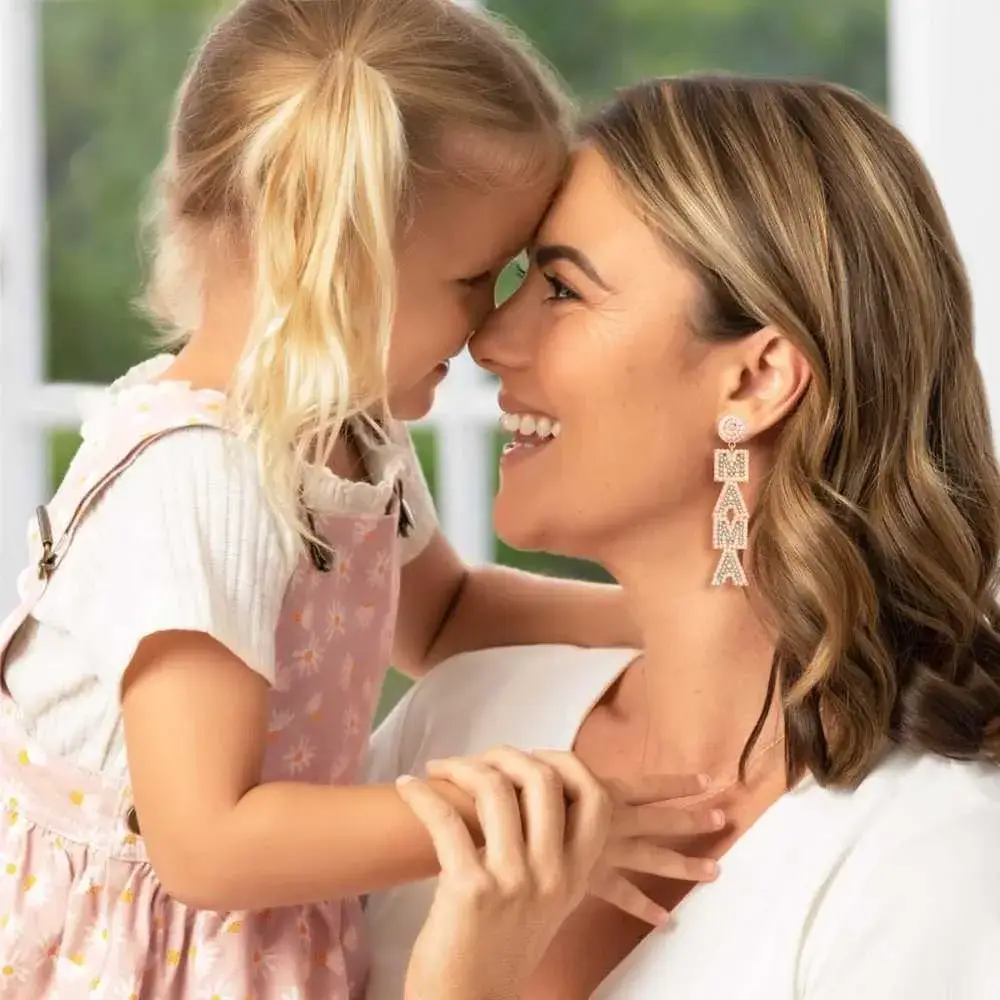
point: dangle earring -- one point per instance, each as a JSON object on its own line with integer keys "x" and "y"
{"x": 731, "y": 519}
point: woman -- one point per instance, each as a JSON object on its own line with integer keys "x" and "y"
{"x": 747, "y": 298}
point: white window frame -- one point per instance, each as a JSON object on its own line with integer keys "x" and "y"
{"x": 945, "y": 82}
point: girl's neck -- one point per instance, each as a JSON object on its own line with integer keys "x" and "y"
{"x": 213, "y": 350}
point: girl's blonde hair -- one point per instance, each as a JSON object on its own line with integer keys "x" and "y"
{"x": 298, "y": 134}
{"x": 877, "y": 531}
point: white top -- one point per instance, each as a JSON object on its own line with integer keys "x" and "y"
{"x": 891, "y": 892}
{"x": 184, "y": 540}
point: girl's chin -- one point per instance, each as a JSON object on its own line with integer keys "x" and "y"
{"x": 414, "y": 404}
{"x": 417, "y": 401}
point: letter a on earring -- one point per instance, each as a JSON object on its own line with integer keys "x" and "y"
{"x": 730, "y": 518}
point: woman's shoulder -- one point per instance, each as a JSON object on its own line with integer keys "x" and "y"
{"x": 488, "y": 680}
{"x": 913, "y": 905}
{"x": 911, "y": 802}
{"x": 931, "y": 792}
{"x": 525, "y": 696}
{"x": 919, "y": 823}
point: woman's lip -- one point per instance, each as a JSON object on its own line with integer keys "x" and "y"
{"x": 511, "y": 404}
{"x": 520, "y": 449}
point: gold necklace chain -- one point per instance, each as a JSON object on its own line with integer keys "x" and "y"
{"x": 755, "y": 757}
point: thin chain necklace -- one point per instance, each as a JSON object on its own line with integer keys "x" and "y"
{"x": 756, "y": 756}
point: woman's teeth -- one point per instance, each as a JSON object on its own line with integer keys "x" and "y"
{"x": 527, "y": 425}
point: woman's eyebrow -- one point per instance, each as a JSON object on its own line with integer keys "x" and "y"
{"x": 548, "y": 253}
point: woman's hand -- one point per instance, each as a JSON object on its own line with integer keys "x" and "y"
{"x": 496, "y": 910}
{"x": 643, "y": 822}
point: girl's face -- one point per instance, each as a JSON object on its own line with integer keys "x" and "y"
{"x": 459, "y": 241}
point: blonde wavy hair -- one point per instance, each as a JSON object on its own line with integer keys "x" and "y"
{"x": 875, "y": 539}
{"x": 299, "y": 133}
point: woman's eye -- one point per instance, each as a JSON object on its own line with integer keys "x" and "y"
{"x": 560, "y": 291}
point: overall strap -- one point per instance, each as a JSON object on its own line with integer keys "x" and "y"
{"x": 94, "y": 468}
{"x": 55, "y": 543}
{"x": 398, "y": 502}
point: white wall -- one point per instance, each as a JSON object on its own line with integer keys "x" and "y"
{"x": 945, "y": 94}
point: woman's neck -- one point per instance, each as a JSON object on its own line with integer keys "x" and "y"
{"x": 703, "y": 680}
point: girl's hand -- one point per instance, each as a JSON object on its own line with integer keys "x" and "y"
{"x": 643, "y": 821}
{"x": 496, "y": 910}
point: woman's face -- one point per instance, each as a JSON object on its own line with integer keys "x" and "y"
{"x": 600, "y": 340}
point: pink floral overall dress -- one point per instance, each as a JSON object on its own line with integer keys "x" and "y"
{"x": 81, "y": 911}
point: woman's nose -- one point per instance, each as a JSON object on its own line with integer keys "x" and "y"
{"x": 504, "y": 340}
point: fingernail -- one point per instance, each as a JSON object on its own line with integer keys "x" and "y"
{"x": 717, "y": 817}
{"x": 704, "y": 780}
{"x": 404, "y": 779}
{"x": 663, "y": 919}
{"x": 710, "y": 868}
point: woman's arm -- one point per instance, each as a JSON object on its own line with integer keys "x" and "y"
{"x": 448, "y": 608}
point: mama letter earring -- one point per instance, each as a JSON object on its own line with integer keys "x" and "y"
{"x": 731, "y": 519}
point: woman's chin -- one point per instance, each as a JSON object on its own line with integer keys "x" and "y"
{"x": 520, "y": 527}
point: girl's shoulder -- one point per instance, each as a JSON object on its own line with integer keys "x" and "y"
{"x": 142, "y": 402}
{"x": 120, "y": 427}
{"x": 158, "y": 531}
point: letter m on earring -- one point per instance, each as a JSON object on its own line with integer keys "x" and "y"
{"x": 732, "y": 465}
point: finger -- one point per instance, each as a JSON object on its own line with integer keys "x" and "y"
{"x": 622, "y": 894}
{"x": 453, "y": 844}
{"x": 589, "y": 819}
{"x": 656, "y": 787}
{"x": 651, "y": 859}
{"x": 498, "y": 810}
{"x": 667, "y": 821}
{"x": 543, "y": 806}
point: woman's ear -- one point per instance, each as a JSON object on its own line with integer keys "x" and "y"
{"x": 773, "y": 375}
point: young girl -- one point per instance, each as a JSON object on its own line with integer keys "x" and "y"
{"x": 212, "y": 600}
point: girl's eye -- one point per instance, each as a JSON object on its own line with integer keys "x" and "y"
{"x": 560, "y": 291}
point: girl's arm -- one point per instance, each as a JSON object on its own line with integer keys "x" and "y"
{"x": 219, "y": 839}
{"x": 195, "y": 730}
{"x": 447, "y": 608}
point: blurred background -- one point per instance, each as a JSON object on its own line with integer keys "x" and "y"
{"x": 86, "y": 92}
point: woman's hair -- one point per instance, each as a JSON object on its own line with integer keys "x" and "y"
{"x": 299, "y": 132}
{"x": 875, "y": 539}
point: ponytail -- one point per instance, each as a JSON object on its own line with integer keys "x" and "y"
{"x": 326, "y": 176}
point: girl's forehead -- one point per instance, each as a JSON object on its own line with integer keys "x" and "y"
{"x": 481, "y": 224}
